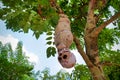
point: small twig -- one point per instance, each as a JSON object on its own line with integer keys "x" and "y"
{"x": 108, "y": 63}
{"x": 39, "y": 11}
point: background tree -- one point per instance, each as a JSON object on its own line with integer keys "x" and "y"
{"x": 14, "y": 65}
{"x": 113, "y": 64}
{"x": 45, "y": 75}
{"x": 89, "y": 19}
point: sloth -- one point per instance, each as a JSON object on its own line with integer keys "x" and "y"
{"x": 63, "y": 40}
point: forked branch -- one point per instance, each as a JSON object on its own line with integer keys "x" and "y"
{"x": 102, "y": 26}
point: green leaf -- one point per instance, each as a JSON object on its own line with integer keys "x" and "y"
{"x": 49, "y": 33}
{"x": 51, "y": 51}
{"x": 49, "y": 38}
{"x": 37, "y": 35}
{"x": 49, "y": 42}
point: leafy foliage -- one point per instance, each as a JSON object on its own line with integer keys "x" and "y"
{"x": 113, "y": 69}
{"x": 51, "y": 50}
{"x": 23, "y": 16}
{"x": 14, "y": 65}
{"x": 39, "y": 16}
{"x": 61, "y": 75}
{"x": 81, "y": 72}
{"x": 108, "y": 38}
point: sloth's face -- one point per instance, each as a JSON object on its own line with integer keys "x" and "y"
{"x": 67, "y": 59}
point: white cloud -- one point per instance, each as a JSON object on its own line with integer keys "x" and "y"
{"x": 10, "y": 39}
{"x": 32, "y": 57}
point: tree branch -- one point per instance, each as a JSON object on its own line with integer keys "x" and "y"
{"x": 102, "y": 26}
{"x": 39, "y": 11}
{"x": 108, "y": 63}
{"x": 90, "y": 25}
{"x": 58, "y": 9}
{"x": 80, "y": 50}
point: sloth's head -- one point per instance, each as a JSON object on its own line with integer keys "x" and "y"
{"x": 67, "y": 59}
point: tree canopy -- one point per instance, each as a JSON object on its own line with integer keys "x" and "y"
{"x": 39, "y": 16}
{"x": 14, "y": 65}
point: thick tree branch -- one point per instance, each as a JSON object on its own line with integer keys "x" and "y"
{"x": 102, "y": 26}
{"x": 90, "y": 25}
{"x": 80, "y": 50}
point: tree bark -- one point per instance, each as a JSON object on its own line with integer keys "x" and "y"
{"x": 91, "y": 44}
{"x": 95, "y": 69}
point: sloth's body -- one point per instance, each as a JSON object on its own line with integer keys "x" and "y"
{"x": 63, "y": 35}
{"x": 63, "y": 40}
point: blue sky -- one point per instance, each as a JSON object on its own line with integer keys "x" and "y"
{"x": 35, "y": 49}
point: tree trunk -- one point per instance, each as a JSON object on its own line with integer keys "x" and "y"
{"x": 97, "y": 73}
{"x": 92, "y": 53}
{"x": 91, "y": 57}
{"x": 91, "y": 44}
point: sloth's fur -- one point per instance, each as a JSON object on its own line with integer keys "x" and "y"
{"x": 63, "y": 35}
